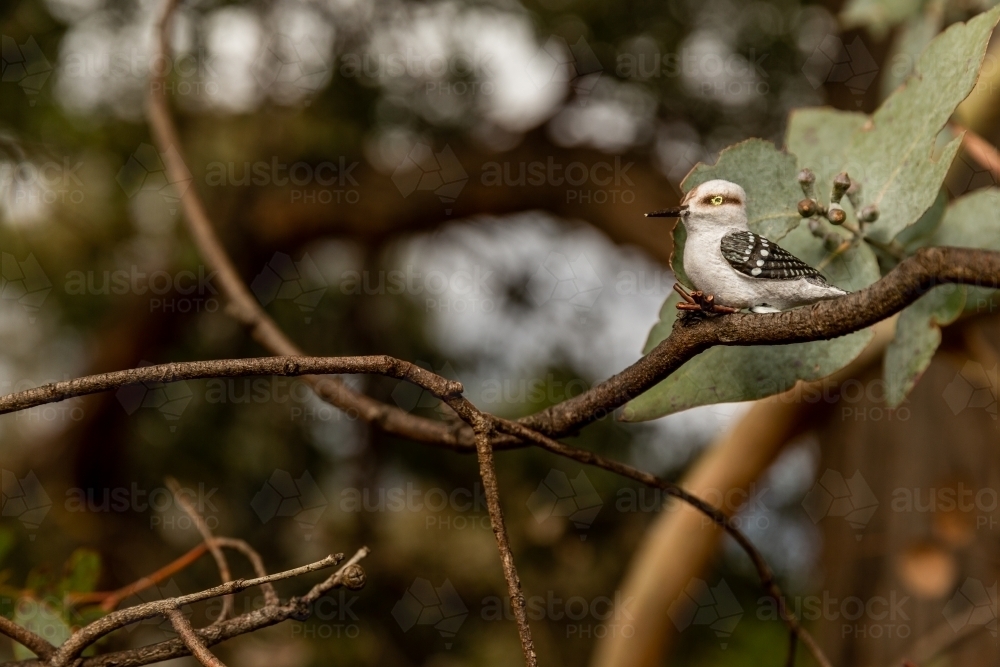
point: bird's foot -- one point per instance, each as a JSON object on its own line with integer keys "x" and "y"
{"x": 698, "y": 301}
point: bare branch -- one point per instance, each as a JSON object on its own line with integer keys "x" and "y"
{"x": 191, "y": 640}
{"x": 910, "y": 279}
{"x": 487, "y": 472}
{"x": 192, "y": 370}
{"x": 210, "y": 542}
{"x": 109, "y": 600}
{"x": 34, "y": 643}
{"x": 828, "y": 319}
{"x": 241, "y": 303}
{"x": 717, "y": 516}
{"x": 86, "y": 636}
{"x": 270, "y": 595}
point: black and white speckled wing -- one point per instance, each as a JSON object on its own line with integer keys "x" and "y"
{"x": 753, "y": 255}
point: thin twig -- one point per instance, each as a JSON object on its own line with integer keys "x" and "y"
{"x": 89, "y": 634}
{"x": 191, "y": 640}
{"x": 793, "y": 644}
{"x": 206, "y": 534}
{"x": 109, "y": 600}
{"x": 764, "y": 571}
{"x": 299, "y": 608}
{"x": 270, "y": 595}
{"x": 483, "y": 428}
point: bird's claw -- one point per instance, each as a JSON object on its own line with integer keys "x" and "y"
{"x": 699, "y": 301}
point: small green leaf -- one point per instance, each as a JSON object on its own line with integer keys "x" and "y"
{"x": 892, "y": 156}
{"x": 724, "y": 373}
{"x": 82, "y": 572}
{"x": 918, "y": 334}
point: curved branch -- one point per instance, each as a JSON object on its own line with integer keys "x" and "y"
{"x": 828, "y": 319}
{"x": 824, "y": 320}
{"x": 80, "y": 640}
{"x": 33, "y": 642}
{"x": 241, "y": 303}
{"x": 228, "y": 604}
{"x": 196, "y": 370}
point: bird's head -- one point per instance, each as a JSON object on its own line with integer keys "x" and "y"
{"x": 718, "y": 203}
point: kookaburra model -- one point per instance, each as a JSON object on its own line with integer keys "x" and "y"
{"x": 731, "y": 267}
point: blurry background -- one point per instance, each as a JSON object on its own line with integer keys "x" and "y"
{"x": 460, "y": 184}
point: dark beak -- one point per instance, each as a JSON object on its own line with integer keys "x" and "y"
{"x": 668, "y": 212}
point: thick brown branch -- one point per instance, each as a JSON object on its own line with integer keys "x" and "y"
{"x": 35, "y": 643}
{"x": 828, "y": 319}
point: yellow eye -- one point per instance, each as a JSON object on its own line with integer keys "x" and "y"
{"x": 717, "y": 200}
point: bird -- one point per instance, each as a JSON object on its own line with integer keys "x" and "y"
{"x": 731, "y": 267}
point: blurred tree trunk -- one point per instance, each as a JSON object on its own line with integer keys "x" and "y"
{"x": 933, "y": 466}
